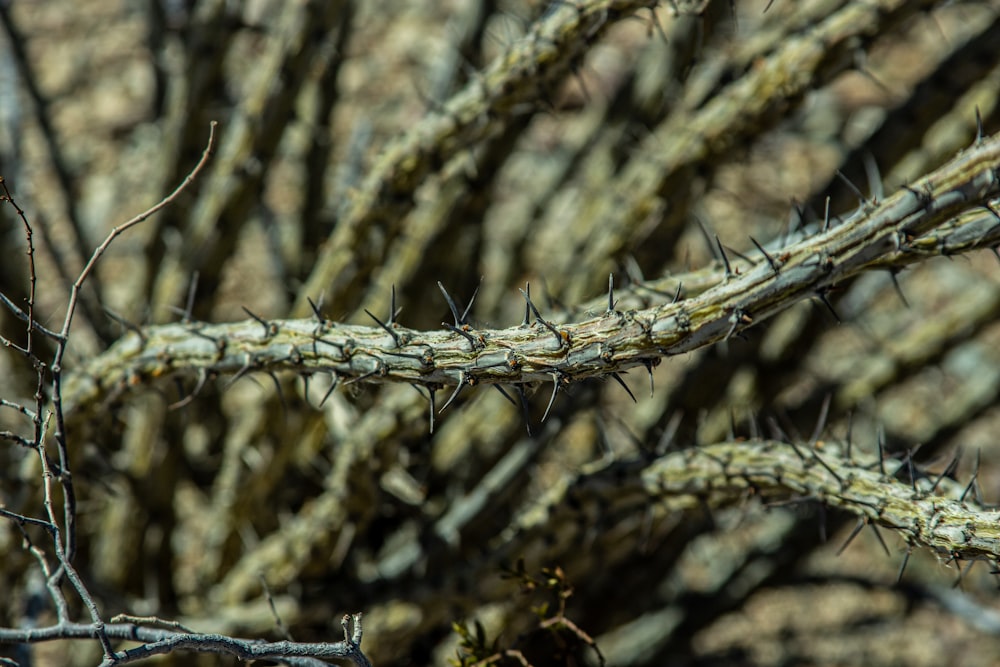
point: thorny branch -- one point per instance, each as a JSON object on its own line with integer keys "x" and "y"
{"x": 893, "y": 232}
{"x": 609, "y": 143}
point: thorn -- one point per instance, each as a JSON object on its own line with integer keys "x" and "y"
{"x": 458, "y": 389}
{"x": 910, "y": 468}
{"x": 333, "y": 385}
{"x": 853, "y": 188}
{"x": 770, "y": 260}
{"x": 949, "y": 469}
{"x": 524, "y": 409}
{"x": 362, "y": 378}
{"x": 473, "y": 341}
{"x": 962, "y": 573}
{"x": 269, "y": 328}
{"x": 902, "y": 567}
{"x": 826, "y": 214}
{"x": 821, "y": 295}
{"x": 611, "y": 292}
{"x": 881, "y": 540}
{"x": 247, "y": 366}
{"x": 189, "y": 304}
{"x": 504, "y": 393}
{"x": 432, "y": 395}
{"x": 899, "y": 290}
{"x": 459, "y": 321}
{"x": 840, "y": 480}
{"x": 975, "y": 475}
{"x": 850, "y": 538}
{"x": 527, "y": 307}
{"x": 202, "y": 379}
{"x": 722, "y": 251}
{"x": 979, "y": 128}
{"x": 475, "y": 293}
{"x": 552, "y": 398}
{"x": 135, "y": 328}
{"x": 316, "y": 310}
{"x": 388, "y": 329}
{"x": 393, "y": 311}
{"x": 677, "y": 293}
{"x": 618, "y": 378}
{"x": 648, "y": 363}
{"x": 560, "y": 340}
{"x": 281, "y": 394}
{"x": 824, "y": 412}
{"x": 874, "y": 178}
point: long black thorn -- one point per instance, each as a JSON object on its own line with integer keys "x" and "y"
{"x": 189, "y": 304}
{"x": 552, "y": 398}
{"x": 524, "y": 409}
{"x": 611, "y": 292}
{"x": 853, "y": 188}
{"x": 476, "y": 345}
{"x": 503, "y": 392}
{"x": 708, "y": 238}
{"x": 618, "y": 378}
{"x": 821, "y": 295}
{"x": 850, "y": 538}
{"x": 798, "y": 452}
{"x": 316, "y": 309}
{"x": 451, "y": 305}
{"x": 824, "y": 412}
{"x": 740, "y": 255}
{"x": 902, "y": 567}
{"x": 979, "y": 127}
{"x": 393, "y": 311}
{"x": 527, "y": 306}
{"x": 362, "y": 378}
{"x": 767, "y": 256}
{"x": 840, "y": 480}
{"x": 333, "y": 386}
{"x": 388, "y": 329}
{"x": 475, "y": 293}
{"x": 899, "y": 290}
{"x": 202, "y": 379}
{"x": 131, "y": 326}
{"x": 538, "y": 317}
{"x": 975, "y": 475}
{"x": 880, "y": 439}
{"x": 649, "y": 369}
{"x": 962, "y": 573}
{"x": 677, "y": 293}
{"x": 432, "y": 394}
{"x": 454, "y": 394}
{"x": 281, "y": 394}
{"x": 949, "y": 469}
{"x": 268, "y": 330}
{"x": 725, "y": 259}
{"x": 911, "y": 470}
{"x": 881, "y": 540}
{"x": 244, "y": 369}
{"x": 777, "y": 432}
